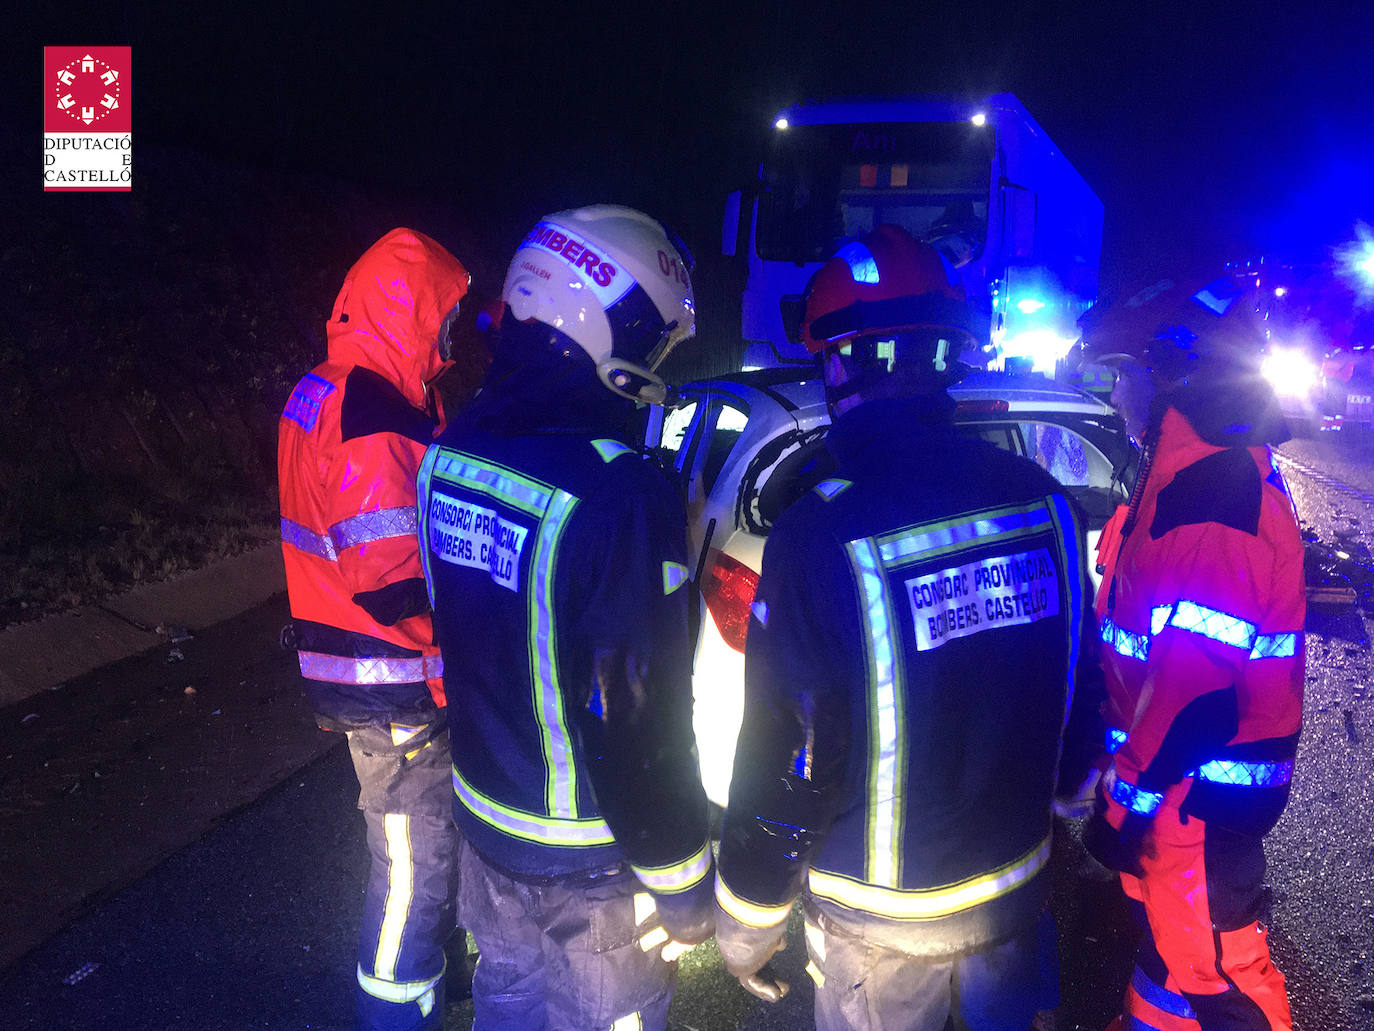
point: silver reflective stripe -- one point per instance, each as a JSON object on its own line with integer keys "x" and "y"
{"x": 1247, "y": 774}
{"x": 932, "y": 539}
{"x": 676, "y": 877}
{"x": 1137, "y": 800}
{"x": 341, "y": 669}
{"x": 367, "y": 527}
{"x": 930, "y": 903}
{"x": 1210, "y": 623}
{"x": 1123, "y": 642}
{"x": 545, "y": 830}
{"x": 560, "y": 790}
{"x": 1275, "y": 646}
{"x": 886, "y": 737}
{"x": 308, "y": 541}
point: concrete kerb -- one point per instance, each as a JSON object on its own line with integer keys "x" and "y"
{"x": 37, "y": 656}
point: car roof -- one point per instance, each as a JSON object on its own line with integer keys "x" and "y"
{"x": 800, "y": 386}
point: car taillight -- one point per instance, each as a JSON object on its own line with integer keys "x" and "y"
{"x": 728, "y": 588}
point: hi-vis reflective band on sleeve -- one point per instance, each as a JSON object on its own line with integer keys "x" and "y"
{"x": 1137, "y": 800}
{"x": 676, "y": 877}
{"x": 750, "y": 914}
{"x": 363, "y": 528}
{"x": 341, "y": 669}
{"x": 1246, "y": 774}
{"x": 1208, "y": 622}
{"x": 552, "y": 507}
{"x": 871, "y": 559}
{"x": 930, "y": 903}
{"x": 536, "y": 827}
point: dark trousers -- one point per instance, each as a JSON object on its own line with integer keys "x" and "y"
{"x": 866, "y": 986}
{"x": 408, "y": 912}
{"x": 560, "y": 956}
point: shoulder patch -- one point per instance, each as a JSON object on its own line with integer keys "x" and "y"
{"x": 831, "y": 489}
{"x": 610, "y": 450}
{"x": 674, "y": 576}
{"x": 371, "y": 404}
{"x": 303, "y": 406}
{"x": 1222, "y": 488}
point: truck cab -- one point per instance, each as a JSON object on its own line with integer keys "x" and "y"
{"x": 980, "y": 181}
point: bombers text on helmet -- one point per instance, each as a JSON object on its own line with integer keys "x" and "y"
{"x": 1173, "y": 327}
{"x": 616, "y": 283}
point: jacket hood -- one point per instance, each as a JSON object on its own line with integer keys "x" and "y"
{"x": 390, "y": 309}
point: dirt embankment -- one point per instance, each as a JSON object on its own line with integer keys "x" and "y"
{"x": 147, "y": 343}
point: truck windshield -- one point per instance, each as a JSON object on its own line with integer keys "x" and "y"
{"x": 824, "y": 183}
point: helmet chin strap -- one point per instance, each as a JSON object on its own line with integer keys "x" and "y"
{"x": 632, "y": 381}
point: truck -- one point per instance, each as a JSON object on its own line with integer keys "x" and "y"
{"x": 979, "y": 180}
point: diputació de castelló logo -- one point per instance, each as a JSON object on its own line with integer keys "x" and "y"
{"x": 87, "y": 118}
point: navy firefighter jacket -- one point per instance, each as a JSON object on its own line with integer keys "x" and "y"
{"x": 556, "y": 562}
{"x": 917, "y": 623}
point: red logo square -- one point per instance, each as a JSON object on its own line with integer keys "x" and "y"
{"x": 87, "y": 89}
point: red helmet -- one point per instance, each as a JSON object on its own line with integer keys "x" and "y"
{"x": 884, "y": 284}
{"x": 1175, "y": 326}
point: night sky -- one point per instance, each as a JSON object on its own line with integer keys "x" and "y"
{"x": 1217, "y": 129}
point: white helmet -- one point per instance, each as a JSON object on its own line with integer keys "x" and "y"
{"x": 613, "y": 280}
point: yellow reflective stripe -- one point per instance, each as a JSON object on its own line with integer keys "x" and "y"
{"x": 401, "y": 991}
{"x": 676, "y": 877}
{"x": 400, "y": 890}
{"x": 815, "y": 973}
{"x": 929, "y": 540}
{"x": 560, "y": 771}
{"x": 630, "y": 1022}
{"x": 930, "y": 903}
{"x": 1068, "y": 541}
{"x": 493, "y": 480}
{"x": 887, "y": 757}
{"x": 750, "y": 914}
{"x": 536, "y": 827}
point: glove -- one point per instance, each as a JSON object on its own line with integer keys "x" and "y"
{"x": 746, "y": 951}
{"x": 673, "y": 931}
{"x": 1118, "y": 850}
{"x": 1081, "y": 802}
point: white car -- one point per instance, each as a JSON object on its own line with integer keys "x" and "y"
{"x": 741, "y": 446}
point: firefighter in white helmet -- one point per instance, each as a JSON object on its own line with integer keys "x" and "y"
{"x": 555, "y": 554}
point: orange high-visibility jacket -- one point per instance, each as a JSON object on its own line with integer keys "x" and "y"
{"x": 350, "y": 443}
{"x": 1201, "y": 616}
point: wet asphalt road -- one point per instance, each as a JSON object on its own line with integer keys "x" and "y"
{"x": 180, "y": 916}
